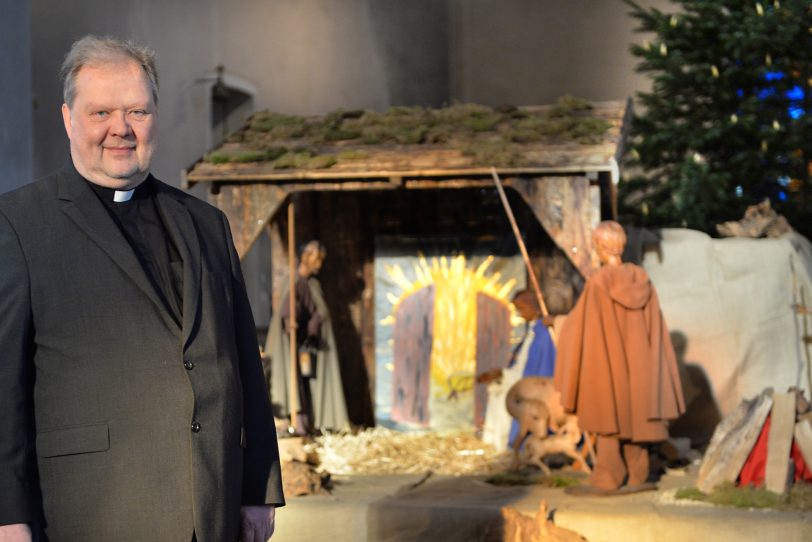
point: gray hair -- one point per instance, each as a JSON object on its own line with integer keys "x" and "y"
{"x": 105, "y": 50}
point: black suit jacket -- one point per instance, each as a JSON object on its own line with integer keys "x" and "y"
{"x": 115, "y": 422}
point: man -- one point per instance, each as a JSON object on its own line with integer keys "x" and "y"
{"x": 322, "y": 405}
{"x": 132, "y": 405}
{"x": 616, "y": 368}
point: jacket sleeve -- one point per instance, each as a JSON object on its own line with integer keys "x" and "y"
{"x": 262, "y": 476}
{"x": 17, "y": 458}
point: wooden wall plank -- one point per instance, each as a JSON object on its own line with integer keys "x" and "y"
{"x": 565, "y": 208}
{"x": 779, "y": 441}
{"x": 492, "y": 346}
{"x": 413, "y": 336}
{"x": 249, "y": 208}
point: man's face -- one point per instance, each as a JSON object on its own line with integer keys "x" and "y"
{"x": 312, "y": 261}
{"x": 526, "y": 310}
{"x": 112, "y": 124}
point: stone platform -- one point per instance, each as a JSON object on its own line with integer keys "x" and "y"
{"x": 404, "y": 508}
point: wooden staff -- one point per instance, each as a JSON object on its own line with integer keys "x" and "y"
{"x": 293, "y": 396}
{"x": 520, "y": 241}
{"x": 536, "y": 287}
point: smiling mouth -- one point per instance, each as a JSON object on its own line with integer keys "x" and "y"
{"x": 119, "y": 150}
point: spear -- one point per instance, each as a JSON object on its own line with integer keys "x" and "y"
{"x": 534, "y": 281}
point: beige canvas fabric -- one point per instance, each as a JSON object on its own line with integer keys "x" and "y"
{"x": 731, "y": 300}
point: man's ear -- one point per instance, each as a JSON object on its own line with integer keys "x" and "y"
{"x": 66, "y": 119}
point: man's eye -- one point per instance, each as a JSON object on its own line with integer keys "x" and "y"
{"x": 100, "y": 114}
{"x": 138, "y": 113}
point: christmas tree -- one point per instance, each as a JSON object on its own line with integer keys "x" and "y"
{"x": 728, "y": 120}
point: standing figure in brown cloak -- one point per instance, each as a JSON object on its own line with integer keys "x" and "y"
{"x": 616, "y": 368}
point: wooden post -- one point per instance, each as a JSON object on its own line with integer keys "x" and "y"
{"x": 293, "y": 396}
{"x": 779, "y": 441}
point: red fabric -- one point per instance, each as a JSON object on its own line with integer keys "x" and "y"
{"x": 752, "y": 472}
{"x": 802, "y": 471}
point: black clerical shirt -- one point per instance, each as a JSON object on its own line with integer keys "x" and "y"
{"x": 139, "y": 219}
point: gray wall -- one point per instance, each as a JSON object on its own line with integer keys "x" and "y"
{"x": 313, "y": 56}
{"x": 299, "y": 56}
{"x": 15, "y": 94}
{"x": 527, "y": 52}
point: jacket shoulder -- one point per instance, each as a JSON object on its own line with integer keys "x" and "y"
{"x": 195, "y": 205}
{"x": 26, "y": 200}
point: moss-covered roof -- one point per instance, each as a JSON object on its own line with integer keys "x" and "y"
{"x": 461, "y": 138}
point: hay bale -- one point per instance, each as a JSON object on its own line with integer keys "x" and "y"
{"x": 384, "y": 451}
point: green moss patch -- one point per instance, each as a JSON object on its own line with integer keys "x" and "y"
{"x": 798, "y": 498}
{"x": 528, "y": 477}
{"x": 490, "y": 136}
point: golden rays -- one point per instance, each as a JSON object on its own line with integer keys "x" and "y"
{"x": 453, "y": 353}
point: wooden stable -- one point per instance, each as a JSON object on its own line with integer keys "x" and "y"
{"x": 415, "y": 191}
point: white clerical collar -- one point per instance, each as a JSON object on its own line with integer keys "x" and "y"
{"x": 123, "y": 195}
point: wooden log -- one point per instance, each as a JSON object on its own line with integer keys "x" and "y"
{"x": 732, "y": 442}
{"x": 803, "y": 436}
{"x": 779, "y": 441}
{"x": 299, "y": 479}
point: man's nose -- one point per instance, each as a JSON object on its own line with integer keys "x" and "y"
{"x": 119, "y": 125}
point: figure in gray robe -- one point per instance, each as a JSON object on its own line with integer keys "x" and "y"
{"x": 322, "y": 405}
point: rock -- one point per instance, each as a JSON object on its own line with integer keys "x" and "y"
{"x": 299, "y": 479}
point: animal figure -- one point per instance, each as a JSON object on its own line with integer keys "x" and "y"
{"x": 536, "y": 405}
{"x": 565, "y": 441}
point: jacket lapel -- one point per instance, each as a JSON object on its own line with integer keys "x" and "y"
{"x": 87, "y": 212}
{"x": 179, "y": 224}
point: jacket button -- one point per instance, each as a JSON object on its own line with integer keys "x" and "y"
{"x": 188, "y": 365}
{"x": 195, "y": 427}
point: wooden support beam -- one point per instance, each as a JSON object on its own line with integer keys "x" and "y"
{"x": 568, "y": 208}
{"x": 249, "y": 208}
